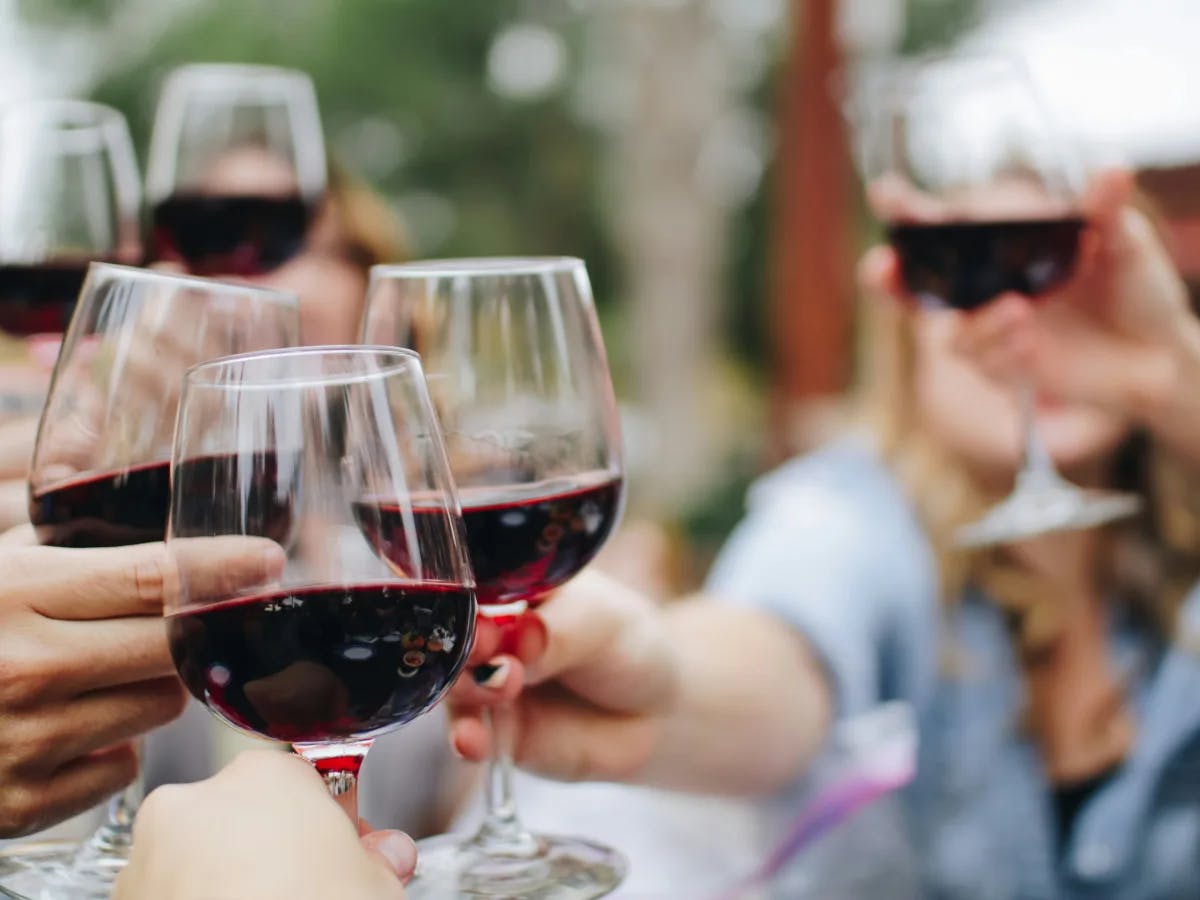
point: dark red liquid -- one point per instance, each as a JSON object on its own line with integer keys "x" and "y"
{"x": 131, "y": 506}
{"x": 325, "y": 663}
{"x": 240, "y": 493}
{"x": 965, "y": 264}
{"x": 228, "y": 234}
{"x": 522, "y": 545}
{"x": 107, "y": 510}
{"x": 37, "y": 299}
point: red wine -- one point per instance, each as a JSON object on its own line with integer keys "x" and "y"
{"x": 325, "y": 663}
{"x": 106, "y": 510}
{"x": 130, "y": 506}
{"x": 524, "y": 540}
{"x": 965, "y": 264}
{"x": 36, "y": 299}
{"x": 229, "y": 234}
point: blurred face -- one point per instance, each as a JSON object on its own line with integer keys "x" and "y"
{"x": 978, "y": 420}
{"x": 331, "y": 289}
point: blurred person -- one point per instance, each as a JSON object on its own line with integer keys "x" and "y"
{"x": 1055, "y": 681}
{"x": 264, "y": 827}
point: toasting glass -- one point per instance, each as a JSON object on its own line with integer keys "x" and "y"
{"x": 517, "y": 371}
{"x": 980, "y": 194}
{"x": 100, "y": 471}
{"x": 333, "y": 454}
{"x": 236, "y": 169}
{"x": 69, "y": 193}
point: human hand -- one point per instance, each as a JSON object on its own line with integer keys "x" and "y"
{"x": 264, "y": 827}
{"x": 589, "y": 674}
{"x": 85, "y": 667}
{"x": 1114, "y": 337}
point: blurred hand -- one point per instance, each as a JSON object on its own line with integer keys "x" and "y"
{"x": 1114, "y": 337}
{"x": 589, "y": 683}
{"x": 85, "y": 667}
{"x": 265, "y": 827}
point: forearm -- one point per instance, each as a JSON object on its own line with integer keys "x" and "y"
{"x": 751, "y": 705}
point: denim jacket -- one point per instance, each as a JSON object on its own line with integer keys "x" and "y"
{"x": 831, "y": 546}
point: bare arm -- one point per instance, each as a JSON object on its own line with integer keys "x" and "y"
{"x": 695, "y": 695}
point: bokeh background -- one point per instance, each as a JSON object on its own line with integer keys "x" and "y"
{"x": 698, "y": 154}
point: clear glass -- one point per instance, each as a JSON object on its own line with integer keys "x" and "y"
{"x": 236, "y": 170}
{"x": 99, "y": 475}
{"x": 334, "y": 455}
{"x": 69, "y": 193}
{"x": 518, "y": 373}
{"x": 981, "y": 197}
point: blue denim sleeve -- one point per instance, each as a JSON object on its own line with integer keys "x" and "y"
{"x": 830, "y": 546}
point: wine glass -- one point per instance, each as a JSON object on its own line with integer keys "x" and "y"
{"x": 100, "y": 470}
{"x": 518, "y": 374}
{"x": 69, "y": 193}
{"x": 236, "y": 169}
{"x": 333, "y": 454}
{"x": 980, "y": 195}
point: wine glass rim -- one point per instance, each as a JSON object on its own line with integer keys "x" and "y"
{"x": 405, "y": 359}
{"x": 135, "y": 273}
{"x": 67, "y": 113}
{"x": 477, "y": 265}
{"x": 225, "y": 72}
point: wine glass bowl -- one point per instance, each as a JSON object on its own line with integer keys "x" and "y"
{"x": 342, "y": 643}
{"x": 517, "y": 371}
{"x": 237, "y": 168}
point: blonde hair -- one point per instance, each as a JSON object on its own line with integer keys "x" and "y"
{"x": 1154, "y": 558}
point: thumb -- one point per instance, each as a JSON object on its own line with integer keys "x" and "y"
{"x": 393, "y": 849}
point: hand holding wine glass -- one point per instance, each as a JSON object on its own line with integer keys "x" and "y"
{"x": 1114, "y": 334}
{"x": 87, "y": 668}
{"x": 288, "y": 839}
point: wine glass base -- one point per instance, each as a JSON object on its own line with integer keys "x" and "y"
{"x": 1029, "y": 513}
{"x": 560, "y": 868}
{"x": 28, "y": 870}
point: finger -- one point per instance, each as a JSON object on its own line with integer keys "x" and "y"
{"x": 75, "y": 787}
{"x": 499, "y": 680}
{"x": 393, "y": 849}
{"x": 564, "y": 738}
{"x": 19, "y": 536}
{"x": 52, "y": 659}
{"x": 486, "y": 644}
{"x": 992, "y": 324}
{"x": 95, "y": 721}
{"x": 879, "y": 272}
{"x": 471, "y": 738}
{"x": 1107, "y": 192}
{"x": 109, "y": 582}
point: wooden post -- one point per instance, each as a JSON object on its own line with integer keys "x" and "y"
{"x": 812, "y": 286}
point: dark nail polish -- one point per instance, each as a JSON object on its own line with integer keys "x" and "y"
{"x": 481, "y": 674}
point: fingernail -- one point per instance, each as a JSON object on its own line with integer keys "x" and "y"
{"x": 491, "y": 675}
{"x": 398, "y": 849}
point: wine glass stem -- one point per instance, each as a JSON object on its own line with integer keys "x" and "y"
{"x": 1037, "y": 468}
{"x": 502, "y": 831}
{"x": 339, "y": 765}
{"x": 111, "y": 842}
